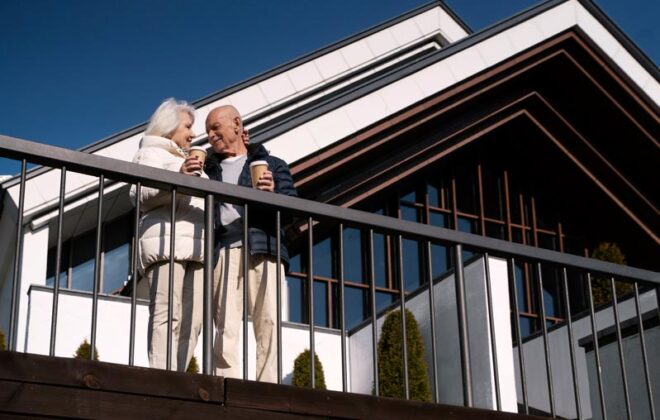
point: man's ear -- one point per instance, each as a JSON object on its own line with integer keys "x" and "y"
{"x": 237, "y": 124}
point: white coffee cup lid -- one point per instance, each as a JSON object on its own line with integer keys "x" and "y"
{"x": 203, "y": 149}
{"x": 258, "y": 162}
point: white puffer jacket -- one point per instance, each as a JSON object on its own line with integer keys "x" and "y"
{"x": 154, "y": 244}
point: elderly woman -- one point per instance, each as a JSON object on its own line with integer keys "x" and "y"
{"x": 164, "y": 146}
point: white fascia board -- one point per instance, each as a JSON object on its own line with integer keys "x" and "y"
{"x": 469, "y": 61}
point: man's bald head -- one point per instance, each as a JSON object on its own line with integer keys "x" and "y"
{"x": 224, "y": 127}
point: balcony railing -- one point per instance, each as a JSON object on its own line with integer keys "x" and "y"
{"x": 310, "y": 213}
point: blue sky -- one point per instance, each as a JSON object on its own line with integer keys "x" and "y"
{"x": 76, "y": 71}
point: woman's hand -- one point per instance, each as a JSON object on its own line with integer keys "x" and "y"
{"x": 191, "y": 166}
{"x": 265, "y": 182}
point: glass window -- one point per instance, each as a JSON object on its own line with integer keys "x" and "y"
{"x": 521, "y": 288}
{"x": 356, "y": 306}
{"x": 353, "y": 257}
{"x": 493, "y": 195}
{"x": 380, "y": 260}
{"x": 410, "y": 213}
{"x": 83, "y": 249}
{"x": 321, "y": 304}
{"x": 323, "y": 258}
{"x": 296, "y": 299}
{"x": 495, "y": 230}
{"x": 440, "y": 260}
{"x": 115, "y": 268}
{"x": 411, "y": 265}
{"x": 383, "y": 300}
{"x": 466, "y": 193}
{"x": 434, "y": 194}
{"x": 437, "y": 219}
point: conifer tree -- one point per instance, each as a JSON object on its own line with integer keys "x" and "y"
{"x": 301, "y": 371}
{"x": 83, "y": 351}
{"x": 193, "y": 366}
{"x": 601, "y": 285}
{"x": 390, "y": 359}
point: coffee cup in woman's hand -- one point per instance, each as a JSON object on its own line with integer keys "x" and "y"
{"x": 191, "y": 166}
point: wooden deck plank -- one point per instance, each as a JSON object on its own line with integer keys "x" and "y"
{"x": 87, "y": 374}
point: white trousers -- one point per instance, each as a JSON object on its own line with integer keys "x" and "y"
{"x": 228, "y": 309}
{"x": 186, "y": 312}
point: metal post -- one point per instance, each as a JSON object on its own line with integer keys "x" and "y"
{"x": 170, "y": 288}
{"x": 511, "y": 266}
{"x": 619, "y": 341}
{"x": 374, "y": 330}
{"x": 571, "y": 344}
{"x": 58, "y": 261}
{"x": 594, "y": 333}
{"x": 434, "y": 356}
{"x": 209, "y": 253}
{"x": 402, "y": 307}
{"x": 491, "y": 323}
{"x": 134, "y": 274}
{"x": 18, "y": 259}
{"x": 310, "y": 300}
{"x": 464, "y": 341}
{"x": 640, "y": 322}
{"x": 342, "y": 315}
{"x": 97, "y": 269}
{"x": 546, "y": 344}
{"x": 246, "y": 277}
{"x": 278, "y": 257}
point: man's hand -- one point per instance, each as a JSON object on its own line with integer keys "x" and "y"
{"x": 191, "y": 166}
{"x": 266, "y": 183}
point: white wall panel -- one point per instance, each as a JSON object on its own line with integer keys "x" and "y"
{"x": 405, "y": 32}
{"x": 434, "y": 78}
{"x": 357, "y": 53}
{"x": 330, "y": 127}
{"x": 305, "y": 76}
{"x": 381, "y": 42}
{"x": 248, "y": 100}
{"x": 429, "y": 21}
{"x": 277, "y": 88}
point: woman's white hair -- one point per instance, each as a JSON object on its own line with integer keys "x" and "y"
{"x": 167, "y": 117}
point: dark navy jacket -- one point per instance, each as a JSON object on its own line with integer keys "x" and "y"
{"x": 262, "y": 229}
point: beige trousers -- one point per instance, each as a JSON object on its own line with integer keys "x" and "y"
{"x": 186, "y": 312}
{"x": 228, "y": 309}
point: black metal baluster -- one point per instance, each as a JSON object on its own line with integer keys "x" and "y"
{"x": 619, "y": 342}
{"x": 571, "y": 344}
{"x": 546, "y": 344}
{"x": 170, "y": 296}
{"x": 58, "y": 258}
{"x": 402, "y": 306}
{"x": 278, "y": 257}
{"x": 434, "y": 356}
{"x": 511, "y": 266}
{"x": 18, "y": 259}
{"x": 640, "y": 322}
{"x": 464, "y": 340}
{"x": 342, "y": 319}
{"x": 594, "y": 332}
{"x": 209, "y": 252}
{"x": 374, "y": 330}
{"x": 310, "y": 300}
{"x": 491, "y": 322}
{"x": 134, "y": 274}
{"x": 246, "y": 276}
{"x": 97, "y": 269}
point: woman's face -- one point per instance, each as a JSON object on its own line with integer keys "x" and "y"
{"x": 183, "y": 134}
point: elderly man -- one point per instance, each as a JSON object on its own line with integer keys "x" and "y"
{"x": 231, "y": 163}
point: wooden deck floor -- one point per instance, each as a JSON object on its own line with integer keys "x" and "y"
{"x": 38, "y": 386}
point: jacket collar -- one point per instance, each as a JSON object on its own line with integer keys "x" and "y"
{"x": 162, "y": 143}
{"x": 255, "y": 152}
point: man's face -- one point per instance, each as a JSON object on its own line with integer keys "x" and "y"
{"x": 223, "y": 129}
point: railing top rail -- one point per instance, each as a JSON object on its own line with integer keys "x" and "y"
{"x": 131, "y": 173}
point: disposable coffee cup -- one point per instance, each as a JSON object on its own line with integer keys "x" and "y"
{"x": 200, "y": 152}
{"x": 257, "y": 168}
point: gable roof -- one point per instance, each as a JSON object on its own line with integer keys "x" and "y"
{"x": 411, "y": 71}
